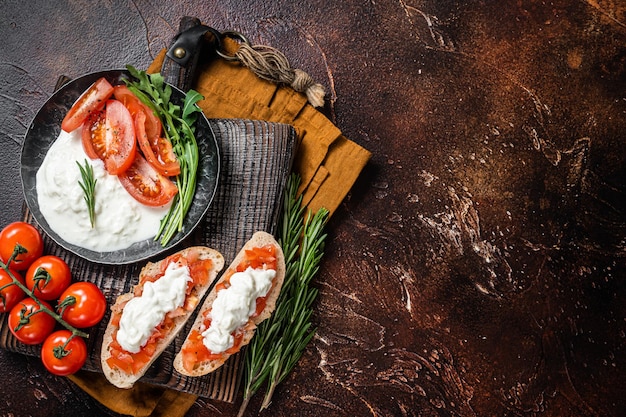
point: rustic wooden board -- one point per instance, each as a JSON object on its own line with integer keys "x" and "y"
{"x": 256, "y": 158}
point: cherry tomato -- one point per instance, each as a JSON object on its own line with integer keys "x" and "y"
{"x": 88, "y": 307}
{"x": 157, "y": 151}
{"x": 37, "y": 323}
{"x": 63, "y": 354}
{"x": 119, "y": 138}
{"x": 10, "y": 293}
{"x": 48, "y": 277}
{"x": 91, "y": 100}
{"x": 146, "y": 185}
{"x": 26, "y": 236}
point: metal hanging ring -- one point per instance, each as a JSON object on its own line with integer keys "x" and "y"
{"x": 233, "y": 35}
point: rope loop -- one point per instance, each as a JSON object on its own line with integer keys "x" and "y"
{"x": 272, "y": 65}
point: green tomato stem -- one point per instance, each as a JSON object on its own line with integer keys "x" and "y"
{"x": 42, "y": 307}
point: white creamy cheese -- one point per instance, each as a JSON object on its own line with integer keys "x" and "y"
{"x": 120, "y": 219}
{"x": 142, "y": 314}
{"x": 234, "y": 305}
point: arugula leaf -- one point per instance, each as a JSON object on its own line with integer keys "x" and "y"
{"x": 179, "y": 129}
{"x": 190, "y": 109}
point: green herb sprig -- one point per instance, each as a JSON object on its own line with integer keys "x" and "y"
{"x": 179, "y": 127}
{"x": 88, "y": 184}
{"x": 280, "y": 340}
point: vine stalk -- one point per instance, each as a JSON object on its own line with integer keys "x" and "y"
{"x": 19, "y": 250}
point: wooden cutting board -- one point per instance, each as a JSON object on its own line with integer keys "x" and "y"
{"x": 256, "y": 159}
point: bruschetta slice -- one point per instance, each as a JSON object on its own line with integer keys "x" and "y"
{"x": 145, "y": 321}
{"x": 244, "y": 296}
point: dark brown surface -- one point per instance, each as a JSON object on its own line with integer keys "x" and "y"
{"x": 477, "y": 267}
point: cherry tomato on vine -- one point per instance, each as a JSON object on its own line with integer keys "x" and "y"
{"x": 28, "y": 323}
{"x": 27, "y": 236}
{"x": 88, "y": 306}
{"x": 63, "y": 354}
{"x": 10, "y": 293}
{"x": 48, "y": 277}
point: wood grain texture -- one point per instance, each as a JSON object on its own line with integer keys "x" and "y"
{"x": 256, "y": 160}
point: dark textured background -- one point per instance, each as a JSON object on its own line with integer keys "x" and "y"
{"x": 477, "y": 267}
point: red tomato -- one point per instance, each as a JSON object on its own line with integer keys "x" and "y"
{"x": 92, "y": 135}
{"x": 63, "y": 354}
{"x": 10, "y": 293}
{"x": 259, "y": 257}
{"x": 28, "y": 237}
{"x": 88, "y": 307}
{"x": 48, "y": 277}
{"x": 194, "y": 351}
{"x": 119, "y": 138}
{"x": 28, "y": 323}
{"x": 157, "y": 151}
{"x": 128, "y": 99}
{"x": 146, "y": 185}
{"x": 123, "y": 94}
{"x": 91, "y": 100}
{"x": 135, "y": 106}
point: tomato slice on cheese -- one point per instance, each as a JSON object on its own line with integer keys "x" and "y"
{"x": 146, "y": 185}
{"x": 148, "y": 128}
{"x": 92, "y": 135}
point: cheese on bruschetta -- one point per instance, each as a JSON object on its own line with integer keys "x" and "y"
{"x": 145, "y": 321}
{"x": 244, "y": 296}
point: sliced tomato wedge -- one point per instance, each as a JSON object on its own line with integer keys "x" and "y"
{"x": 157, "y": 151}
{"x": 146, "y": 185}
{"x": 93, "y": 135}
{"x": 135, "y": 105}
{"x": 94, "y": 98}
{"x": 128, "y": 99}
{"x": 119, "y": 138}
{"x": 108, "y": 134}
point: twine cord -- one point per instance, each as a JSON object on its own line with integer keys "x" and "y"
{"x": 270, "y": 64}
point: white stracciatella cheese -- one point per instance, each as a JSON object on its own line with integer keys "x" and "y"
{"x": 142, "y": 314}
{"x": 120, "y": 219}
{"x": 234, "y": 305}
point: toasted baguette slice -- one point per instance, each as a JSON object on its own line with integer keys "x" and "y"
{"x": 122, "y": 379}
{"x": 258, "y": 240}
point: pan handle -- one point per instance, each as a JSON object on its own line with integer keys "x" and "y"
{"x": 180, "y": 66}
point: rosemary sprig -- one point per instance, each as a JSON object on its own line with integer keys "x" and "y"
{"x": 280, "y": 340}
{"x": 88, "y": 185}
